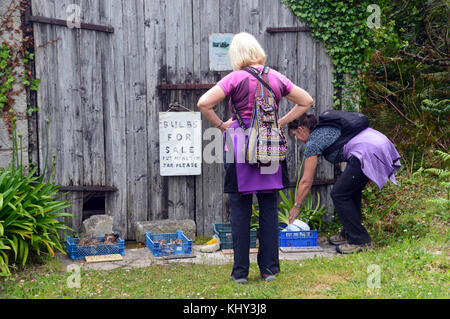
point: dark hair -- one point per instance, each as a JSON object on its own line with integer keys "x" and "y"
{"x": 306, "y": 120}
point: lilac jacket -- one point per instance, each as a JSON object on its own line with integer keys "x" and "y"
{"x": 378, "y": 156}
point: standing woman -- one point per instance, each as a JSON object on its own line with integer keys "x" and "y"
{"x": 241, "y": 179}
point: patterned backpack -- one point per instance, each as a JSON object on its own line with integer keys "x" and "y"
{"x": 266, "y": 142}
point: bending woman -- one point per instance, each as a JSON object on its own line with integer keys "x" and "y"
{"x": 241, "y": 179}
{"x": 369, "y": 155}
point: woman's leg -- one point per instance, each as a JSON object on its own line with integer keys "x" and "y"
{"x": 241, "y": 210}
{"x": 268, "y": 258}
{"x": 345, "y": 194}
{"x": 357, "y": 202}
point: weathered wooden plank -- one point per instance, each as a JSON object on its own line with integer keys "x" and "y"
{"x": 43, "y": 52}
{"x": 209, "y": 193}
{"x": 91, "y": 96}
{"x": 288, "y": 65}
{"x": 276, "y": 48}
{"x": 190, "y": 98}
{"x": 49, "y": 65}
{"x": 135, "y": 106}
{"x": 268, "y": 18}
{"x": 324, "y": 101}
{"x": 249, "y": 17}
{"x": 155, "y": 40}
{"x": 46, "y": 64}
{"x": 197, "y": 77}
{"x": 103, "y": 258}
{"x": 306, "y": 60}
{"x": 181, "y": 197}
{"x": 307, "y": 74}
{"x": 46, "y": 70}
{"x": 67, "y": 106}
{"x": 113, "y": 72}
{"x": 228, "y": 8}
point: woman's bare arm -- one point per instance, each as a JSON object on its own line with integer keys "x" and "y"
{"x": 304, "y": 186}
{"x": 303, "y": 101}
{"x": 206, "y": 105}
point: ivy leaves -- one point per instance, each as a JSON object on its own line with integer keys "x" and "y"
{"x": 8, "y": 71}
{"x": 341, "y": 26}
{"x": 6, "y": 77}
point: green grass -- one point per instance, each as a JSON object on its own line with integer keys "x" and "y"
{"x": 408, "y": 269}
{"x": 410, "y": 252}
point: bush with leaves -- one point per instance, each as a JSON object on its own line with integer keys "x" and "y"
{"x": 341, "y": 27}
{"x": 405, "y": 86}
{"x": 442, "y": 204}
{"x": 30, "y": 212}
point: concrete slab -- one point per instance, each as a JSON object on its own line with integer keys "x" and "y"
{"x": 142, "y": 257}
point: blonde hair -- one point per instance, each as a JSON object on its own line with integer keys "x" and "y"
{"x": 245, "y": 50}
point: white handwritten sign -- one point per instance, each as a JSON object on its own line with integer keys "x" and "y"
{"x": 180, "y": 143}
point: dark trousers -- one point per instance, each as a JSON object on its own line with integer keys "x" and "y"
{"x": 241, "y": 211}
{"x": 346, "y": 195}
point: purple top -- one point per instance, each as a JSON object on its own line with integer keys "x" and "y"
{"x": 241, "y": 86}
{"x": 378, "y": 156}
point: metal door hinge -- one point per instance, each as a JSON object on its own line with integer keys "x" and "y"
{"x": 29, "y": 19}
{"x": 288, "y": 29}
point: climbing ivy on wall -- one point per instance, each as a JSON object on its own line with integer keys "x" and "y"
{"x": 15, "y": 58}
{"x": 342, "y": 27}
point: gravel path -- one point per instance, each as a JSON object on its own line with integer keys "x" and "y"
{"x": 142, "y": 257}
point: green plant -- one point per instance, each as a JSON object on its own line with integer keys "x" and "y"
{"x": 341, "y": 27}
{"x": 287, "y": 203}
{"x": 443, "y": 175}
{"x": 310, "y": 214}
{"x": 30, "y": 211}
{"x": 15, "y": 57}
{"x": 406, "y": 80}
{"x": 6, "y": 75}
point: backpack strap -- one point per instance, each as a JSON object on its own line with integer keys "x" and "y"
{"x": 256, "y": 74}
{"x": 238, "y": 115}
{"x": 350, "y": 123}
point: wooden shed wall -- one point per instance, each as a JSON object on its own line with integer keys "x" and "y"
{"x": 99, "y": 92}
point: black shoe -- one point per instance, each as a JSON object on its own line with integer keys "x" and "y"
{"x": 337, "y": 240}
{"x": 351, "y": 248}
{"x": 239, "y": 280}
{"x": 267, "y": 277}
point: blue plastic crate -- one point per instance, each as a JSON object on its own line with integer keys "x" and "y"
{"x": 298, "y": 238}
{"x": 223, "y": 231}
{"x": 78, "y": 252}
{"x": 168, "y": 247}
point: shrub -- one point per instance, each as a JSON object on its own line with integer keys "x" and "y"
{"x": 29, "y": 213}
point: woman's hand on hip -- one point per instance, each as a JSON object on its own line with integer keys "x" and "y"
{"x": 226, "y": 125}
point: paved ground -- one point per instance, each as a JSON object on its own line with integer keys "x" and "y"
{"x": 142, "y": 257}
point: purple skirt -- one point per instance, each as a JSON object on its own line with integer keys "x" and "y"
{"x": 252, "y": 179}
